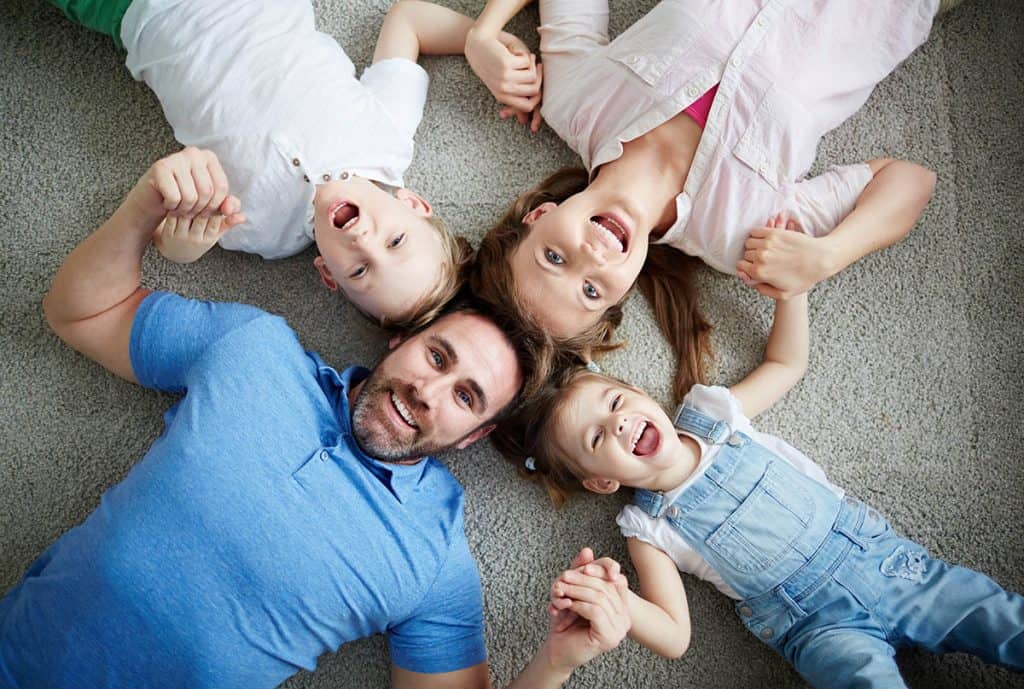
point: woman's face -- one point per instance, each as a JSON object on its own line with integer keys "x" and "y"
{"x": 579, "y": 258}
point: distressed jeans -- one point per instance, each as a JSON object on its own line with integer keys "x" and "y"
{"x": 887, "y": 592}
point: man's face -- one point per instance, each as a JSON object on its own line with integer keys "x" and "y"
{"x": 438, "y": 389}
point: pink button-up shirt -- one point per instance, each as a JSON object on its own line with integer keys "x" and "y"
{"x": 788, "y": 72}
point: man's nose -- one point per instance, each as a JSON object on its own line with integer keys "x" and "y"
{"x": 430, "y": 389}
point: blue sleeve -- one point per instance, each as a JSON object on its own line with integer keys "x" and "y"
{"x": 446, "y": 632}
{"x": 171, "y": 333}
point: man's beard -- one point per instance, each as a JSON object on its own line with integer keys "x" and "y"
{"x": 373, "y": 430}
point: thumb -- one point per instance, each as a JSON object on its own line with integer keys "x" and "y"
{"x": 232, "y": 220}
{"x": 584, "y": 557}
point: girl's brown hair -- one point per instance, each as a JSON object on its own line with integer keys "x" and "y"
{"x": 667, "y": 281}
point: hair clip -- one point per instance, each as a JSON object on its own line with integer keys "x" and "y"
{"x": 593, "y": 367}
{"x": 531, "y": 464}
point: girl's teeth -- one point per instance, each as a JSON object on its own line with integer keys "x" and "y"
{"x": 636, "y": 436}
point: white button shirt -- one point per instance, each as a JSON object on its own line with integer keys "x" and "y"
{"x": 277, "y": 101}
{"x": 789, "y": 71}
{"x": 718, "y": 403}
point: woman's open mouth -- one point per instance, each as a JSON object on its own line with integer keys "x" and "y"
{"x": 344, "y": 215}
{"x": 645, "y": 439}
{"x": 612, "y": 232}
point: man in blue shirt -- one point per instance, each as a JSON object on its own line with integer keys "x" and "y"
{"x": 286, "y": 508}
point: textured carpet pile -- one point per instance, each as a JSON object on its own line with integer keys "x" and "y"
{"x": 912, "y": 400}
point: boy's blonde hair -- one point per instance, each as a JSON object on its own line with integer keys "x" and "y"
{"x": 458, "y": 254}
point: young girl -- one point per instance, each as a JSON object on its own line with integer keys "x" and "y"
{"x": 818, "y": 576}
{"x": 693, "y": 125}
{"x": 313, "y": 153}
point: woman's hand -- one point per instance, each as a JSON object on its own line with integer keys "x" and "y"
{"x": 781, "y": 261}
{"x": 510, "y": 72}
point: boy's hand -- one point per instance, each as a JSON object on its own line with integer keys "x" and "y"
{"x": 188, "y": 183}
{"x": 184, "y": 240}
{"x": 509, "y": 70}
{"x": 781, "y": 261}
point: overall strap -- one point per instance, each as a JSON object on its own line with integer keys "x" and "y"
{"x": 701, "y": 425}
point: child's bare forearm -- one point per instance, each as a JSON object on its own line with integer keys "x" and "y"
{"x": 496, "y": 14}
{"x": 886, "y": 211}
{"x": 412, "y": 28}
{"x": 654, "y": 628}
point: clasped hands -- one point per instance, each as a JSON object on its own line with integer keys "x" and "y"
{"x": 187, "y": 193}
{"x": 781, "y": 261}
{"x": 510, "y": 72}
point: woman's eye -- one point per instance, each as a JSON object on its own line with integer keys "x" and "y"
{"x": 596, "y": 439}
{"x": 554, "y": 258}
{"x": 396, "y": 241}
{"x": 358, "y": 272}
{"x": 616, "y": 402}
{"x": 590, "y": 291}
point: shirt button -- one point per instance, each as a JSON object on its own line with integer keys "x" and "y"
{"x": 296, "y": 162}
{"x": 327, "y": 178}
{"x": 745, "y": 611}
{"x": 343, "y": 175}
{"x": 766, "y": 633}
{"x": 692, "y": 91}
{"x": 735, "y": 440}
{"x": 761, "y": 21}
{"x": 736, "y": 61}
{"x": 673, "y": 512}
{"x": 324, "y": 455}
{"x": 633, "y": 59}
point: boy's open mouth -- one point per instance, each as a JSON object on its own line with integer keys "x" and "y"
{"x": 612, "y": 232}
{"x": 645, "y": 440}
{"x": 344, "y": 215}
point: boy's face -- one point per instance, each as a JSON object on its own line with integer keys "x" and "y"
{"x": 616, "y": 435}
{"x": 378, "y": 249}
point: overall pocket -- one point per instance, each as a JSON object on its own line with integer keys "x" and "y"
{"x": 761, "y": 530}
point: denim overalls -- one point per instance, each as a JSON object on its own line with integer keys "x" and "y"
{"x": 824, "y": 580}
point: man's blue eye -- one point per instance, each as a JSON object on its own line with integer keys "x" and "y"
{"x": 590, "y": 291}
{"x": 553, "y": 258}
{"x": 438, "y": 359}
{"x": 465, "y": 398}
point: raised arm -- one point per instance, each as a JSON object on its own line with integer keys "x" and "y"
{"x": 95, "y": 294}
{"x": 783, "y": 264}
{"x": 504, "y": 63}
{"x": 785, "y": 359}
{"x": 412, "y": 28}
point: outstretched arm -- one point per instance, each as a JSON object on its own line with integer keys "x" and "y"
{"x": 412, "y": 28}
{"x": 783, "y": 263}
{"x": 785, "y": 359}
{"x": 95, "y": 294}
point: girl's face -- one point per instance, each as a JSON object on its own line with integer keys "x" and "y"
{"x": 579, "y": 258}
{"x": 617, "y": 435}
{"x": 378, "y": 249}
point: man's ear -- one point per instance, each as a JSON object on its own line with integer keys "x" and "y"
{"x": 604, "y": 486}
{"x": 540, "y": 210}
{"x": 419, "y": 204}
{"x": 479, "y": 433}
{"x": 396, "y": 339}
{"x": 325, "y": 274}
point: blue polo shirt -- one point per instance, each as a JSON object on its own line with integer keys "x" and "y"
{"x": 252, "y": 537}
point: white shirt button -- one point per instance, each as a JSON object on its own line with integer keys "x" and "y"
{"x": 632, "y": 59}
{"x": 692, "y": 91}
{"x": 326, "y": 177}
{"x": 761, "y": 21}
{"x": 736, "y": 61}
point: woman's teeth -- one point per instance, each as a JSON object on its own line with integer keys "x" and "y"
{"x": 403, "y": 411}
{"x": 612, "y": 232}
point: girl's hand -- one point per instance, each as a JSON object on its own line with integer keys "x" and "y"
{"x": 780, "y": 261}
{"x": 186, "y": 184}
{"x": 584, "y": 564}
{"x": 184, "y": 240}
{"x": 508, "y": 69}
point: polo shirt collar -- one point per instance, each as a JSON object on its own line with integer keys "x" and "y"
{"x": 401, "y": 479}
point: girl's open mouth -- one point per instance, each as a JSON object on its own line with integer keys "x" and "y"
{"x": 646, "y": 439}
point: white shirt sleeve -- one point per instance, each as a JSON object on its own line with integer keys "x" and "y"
{"x": 401, "y": 86}
{"x": 820, "y": 203}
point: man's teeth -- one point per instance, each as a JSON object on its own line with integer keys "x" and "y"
{"x": 403, "y": 410}
{"x": 607, "y": 232}
{"x": 636, "y": 436}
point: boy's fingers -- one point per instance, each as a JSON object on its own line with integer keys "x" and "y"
{"x": 535, "y": 120}
{"x": 220, "y": 185}
{"x": 233, "y": 220}
{"x": 187, "y": 191}
{"x": 229, "y": 206}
